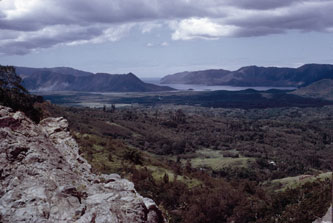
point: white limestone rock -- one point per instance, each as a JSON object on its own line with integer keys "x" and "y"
{"x": 44, "y": 179}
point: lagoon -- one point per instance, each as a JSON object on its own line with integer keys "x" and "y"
{"x": 196, "y": 87}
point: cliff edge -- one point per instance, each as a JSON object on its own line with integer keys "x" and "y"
{"x": 44, "y": 179}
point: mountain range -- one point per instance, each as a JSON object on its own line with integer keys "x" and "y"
{"x": 255, "y": 76}
{"x": 69, "y": 79}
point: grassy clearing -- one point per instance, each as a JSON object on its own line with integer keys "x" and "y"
{"x": 294, "y": 182}
{"x": 214, "y": 159}
{"x": 209, "y": 153}
{"x": 159, "y": 172}
{"x": 108, "y": 159}
{"x": 220, "y": 163}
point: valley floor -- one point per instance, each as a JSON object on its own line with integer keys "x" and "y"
{"x": 214, "y": 164}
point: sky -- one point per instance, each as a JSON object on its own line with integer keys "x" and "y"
{"x": 153, "y": 38}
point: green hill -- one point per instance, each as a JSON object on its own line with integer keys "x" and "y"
{"x": 322, "y": 89}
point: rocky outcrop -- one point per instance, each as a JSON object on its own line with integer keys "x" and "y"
{"x": 44, "y": 179}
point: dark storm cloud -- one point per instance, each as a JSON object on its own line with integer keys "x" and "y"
{"x": 306, "y": 17}
{"x": 86, "y": 12}
{"x": 133, "y": 10}
{"x": 29, "y": 25}
{"x": 46, "y": 38}
{"x": 35, "y": 21}
{"x": 245, "y": 18}
{"x": 262, "y": 4}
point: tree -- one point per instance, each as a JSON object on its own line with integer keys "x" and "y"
{"x": 166, "y": 178}
{"x": 179, "y": 116}
{"x": 113, "y": 108}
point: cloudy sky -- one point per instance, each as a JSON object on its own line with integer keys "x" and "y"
{"x": 156, "y": 37}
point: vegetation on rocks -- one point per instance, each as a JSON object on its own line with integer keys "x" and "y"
{"x": 14, "y": 95}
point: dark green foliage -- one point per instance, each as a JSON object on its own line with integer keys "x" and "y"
{"x": 280, "y": 143}
{"x": 245, "y": 99}
{"x": 14, "y": 95}
{"x": 302, "y": 204}
{"x": 244, "y": 201}
{"x": 133, "y": 156}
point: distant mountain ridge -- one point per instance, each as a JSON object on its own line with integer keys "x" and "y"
{"x": 70, "y": 79}
{"x": 255, "y": 76}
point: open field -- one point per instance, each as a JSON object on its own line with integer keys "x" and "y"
{"x": 215, "y": 160}
{"x": 296, "y": 181}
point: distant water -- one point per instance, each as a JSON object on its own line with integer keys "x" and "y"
{"x": 197, "y": 87}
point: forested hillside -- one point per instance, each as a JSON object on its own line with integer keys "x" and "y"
{"x": 214, "y": 165}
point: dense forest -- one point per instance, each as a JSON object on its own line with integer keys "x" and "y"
{"x": 214, "y": 165}
{"x": 205, "y": 164}
{"x": 244, "y": 99}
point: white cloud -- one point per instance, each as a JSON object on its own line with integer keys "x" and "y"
{"x": 148, "y": 27}
{"x": 163, "y": 44}
{"x": 203, "y": 28}
{"x": 26, "y": 25}
{"x": 149, "y": 45}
